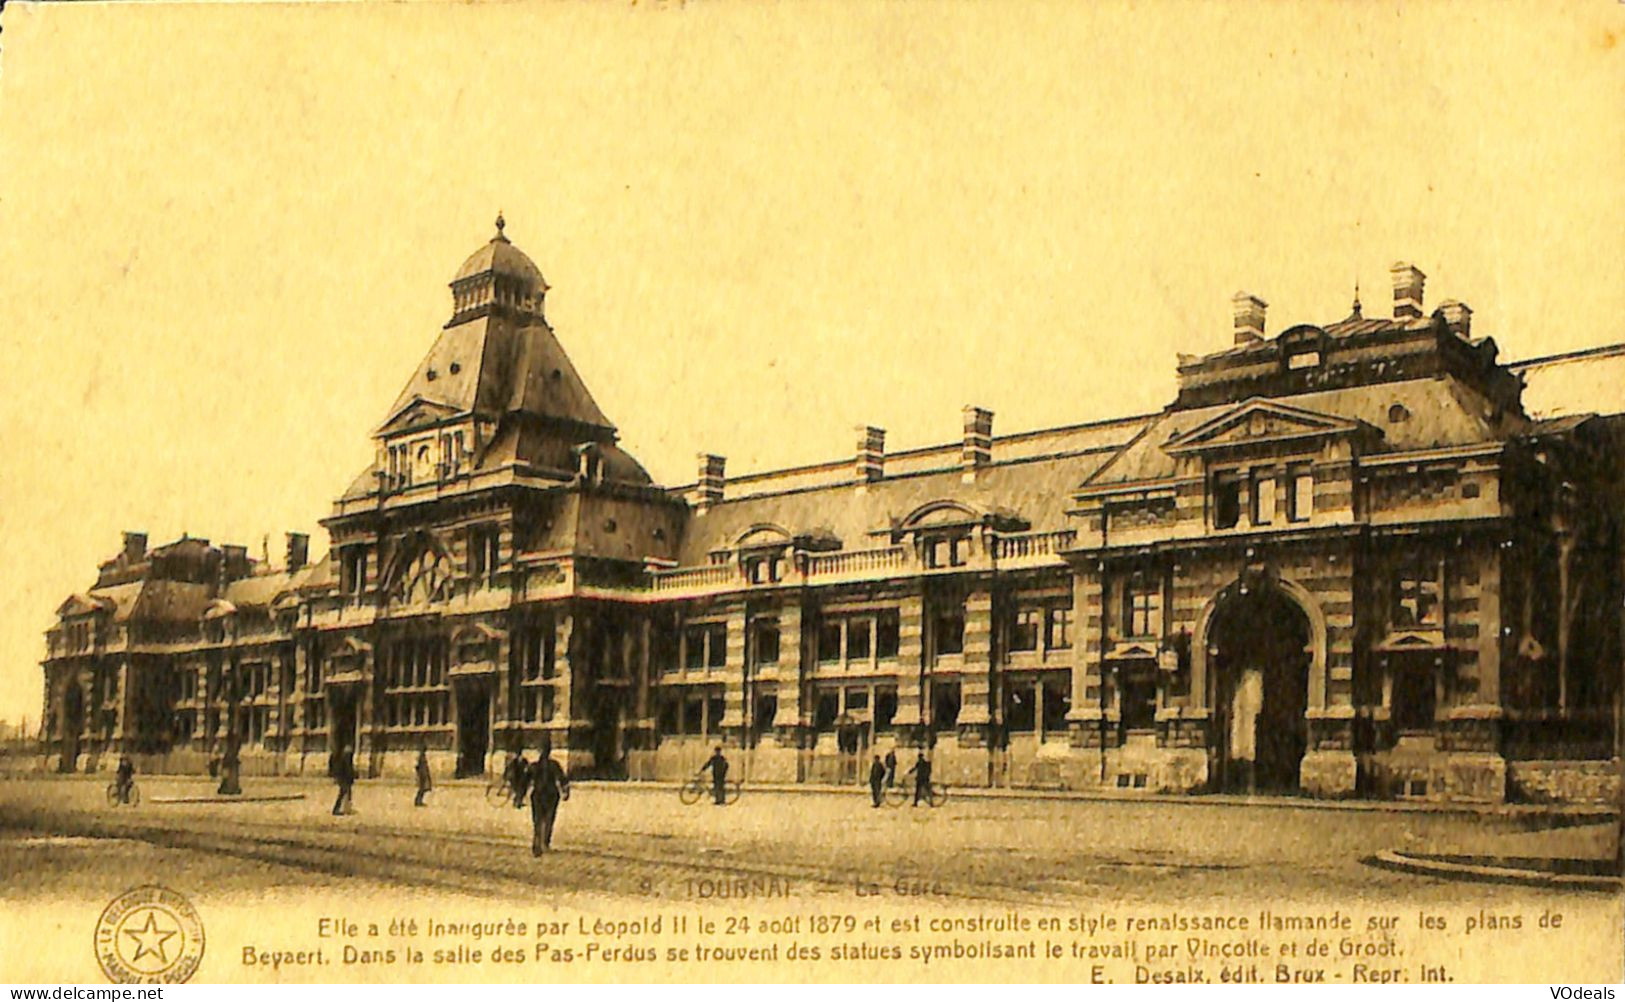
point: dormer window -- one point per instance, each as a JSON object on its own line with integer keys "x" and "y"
{"x": 946, "y": 550}
{"x": 762, "y": 566}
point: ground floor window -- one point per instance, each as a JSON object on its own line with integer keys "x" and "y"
{"x": 1413, "y": 695}
{"x": 1137, "y": 690}
{"x": 944, "y": 705}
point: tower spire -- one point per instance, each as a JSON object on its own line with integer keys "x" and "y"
{"x": 1356, "y": 312}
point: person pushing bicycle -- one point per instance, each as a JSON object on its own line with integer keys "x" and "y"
{"x": 124, "y": 779}
{"x": 719, "y": 776}
{"x": 921, "y": 771}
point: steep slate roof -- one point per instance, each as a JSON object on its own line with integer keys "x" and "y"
{"x": 503, "y": 365}
{"x": 1037, "y": 490}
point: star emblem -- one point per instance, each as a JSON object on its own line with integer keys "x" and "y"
{"x": 150, "y": 939}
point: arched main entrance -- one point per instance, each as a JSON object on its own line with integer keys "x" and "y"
{"x": 72, "y": 724}
{"x": 1259, "y": 651}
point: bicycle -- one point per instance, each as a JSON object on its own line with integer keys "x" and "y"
{"x": 899, "y": 794}
{"x": 114, "y": 799}
{"x": 499, "y": 792}
{"x": 696, "y": 789}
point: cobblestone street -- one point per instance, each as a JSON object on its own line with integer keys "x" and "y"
{"x": 641, "y": 842}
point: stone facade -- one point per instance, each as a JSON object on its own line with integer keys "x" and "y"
{"x": 1343, "y": 562}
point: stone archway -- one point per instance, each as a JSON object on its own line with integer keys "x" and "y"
{"x": 1261, "y": 648}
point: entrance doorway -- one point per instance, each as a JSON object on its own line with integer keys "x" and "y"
{"x": 73, "y": 725}
{"x": 608, "y": 717}
{"x": 341, "y": 724}
{"x": 1258, "y": 643}
{"x": 473, "y": 726}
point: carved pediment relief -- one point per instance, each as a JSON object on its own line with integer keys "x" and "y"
{"x": 416, "y": 413}
{"x": 1412, "y": 640}
{"x": 1261, "y": 421}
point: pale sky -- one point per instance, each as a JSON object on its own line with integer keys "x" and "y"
{"x": 227, "y": 230}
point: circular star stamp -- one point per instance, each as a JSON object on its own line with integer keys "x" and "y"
{"x": 149, "y": 935}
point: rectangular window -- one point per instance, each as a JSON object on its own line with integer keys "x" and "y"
{"x": 829, "y": 640}
{"x": 668, "y": 714}
{"x": 857, "y": 638}
{"x": 829, "y": 707}
{"x": 1413, "y": 694}
{"x": 1024, "y": 630}
{"x": 886, "y": 630}
{"x": 767, "y": 641}
{"x": 694, "y": 647}
{"x": 1139, "y": 695}
{"x": 713, "y": 713}
{"x": 885, "y": 706}
{"x": 694, "y": 713}
{"x": 1058, "y": 627}
{"x": 1300, "y": 492}
{"x": 1020, "y": 706}
{"x": 944, "y": 704}
{"x": 767, "y": 708}
{"x": 949, "y": 629}
{"x": 716, "y": 639}
{"x": 1416, "y": 597}
{"x": 1142, "y": 607}
{"x": 1226, "y": 500}
{"x": 946, "y": 551}
{"x": 1263, "y": 498}
{"x": 857, "y": 700}
{"x": 1057, "y": 704}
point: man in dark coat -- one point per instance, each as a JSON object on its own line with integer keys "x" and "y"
{"x": 518, "y": 776}
{"x": 719, "y": 776}
{"x": 891, "y": 768}
{"x": 342, "y": 768}
{"x": 877, "y": 780}
{"x": 921, "y": 771}
{"x": 548, "y": 786}
{"x": 126, "y": 778}
{"x": 425, "y": 777}
{"x": 231, "y": 770}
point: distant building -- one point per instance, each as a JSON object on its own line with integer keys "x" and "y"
{"x": 1344, "y": 560}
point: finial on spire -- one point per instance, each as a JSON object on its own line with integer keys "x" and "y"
{"x": 1356, "y": 296}
{"x": 500, "y": 224}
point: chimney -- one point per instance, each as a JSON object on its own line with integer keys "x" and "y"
{"x": 871, "y": 464}
{"x": 135, "y": 546}
{"x": 298, "y": 550}
{"x": 1408, "y": 281}
{"x": 978, "y": 449}
{"x": 708, "y": 490}
{"x": 1458, "y": 317}
{"x": 1249, "y": 312}
{"x": 235, "y": 561}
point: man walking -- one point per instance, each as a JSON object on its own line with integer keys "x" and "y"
{"x": 877, "y": 780}
{"x": 921, "y": 771}
{"x": 342, "y": 768}
{"x": 719, "y": 776}
{"x": 548, "y": 786}
{"x": 425, "y": 777}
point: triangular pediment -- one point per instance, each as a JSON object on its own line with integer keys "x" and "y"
{"x": 416, "y": 413}
{"x": 81, "y": 605}
{"x": 1257, "y": 421}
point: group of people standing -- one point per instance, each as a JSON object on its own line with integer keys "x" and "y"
{"x": 883, "y": 776}
{"x": 543, "y": 782}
